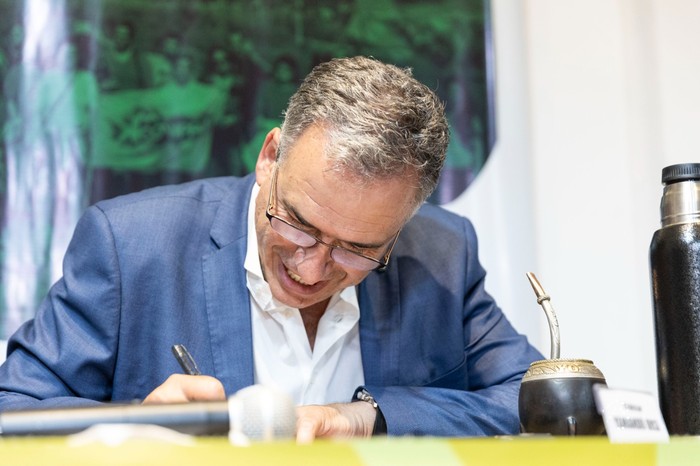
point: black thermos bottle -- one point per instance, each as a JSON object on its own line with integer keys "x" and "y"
{"x": 674, "y": 259}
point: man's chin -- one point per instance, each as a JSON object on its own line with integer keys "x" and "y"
{"x": 292, "y": 297}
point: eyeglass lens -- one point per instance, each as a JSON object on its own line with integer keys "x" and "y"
{"x": 303, "y": 239}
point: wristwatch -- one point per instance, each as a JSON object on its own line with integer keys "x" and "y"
{"x": 361, "y": 394}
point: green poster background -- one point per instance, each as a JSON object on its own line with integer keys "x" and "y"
{"x": 105, "y": 97}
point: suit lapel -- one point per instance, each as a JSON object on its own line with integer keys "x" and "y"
{"x": 226, "y": 294}
{"x": 379, "y": 300}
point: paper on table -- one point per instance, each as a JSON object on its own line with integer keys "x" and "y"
{"x": 117, "y": 434}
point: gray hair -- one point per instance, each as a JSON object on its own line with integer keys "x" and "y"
{"x": 380, "y": 121}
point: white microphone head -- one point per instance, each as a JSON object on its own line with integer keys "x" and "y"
{"x": 261, "y": 413}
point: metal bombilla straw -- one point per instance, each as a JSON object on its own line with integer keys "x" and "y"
{"x": 543, "y": 300}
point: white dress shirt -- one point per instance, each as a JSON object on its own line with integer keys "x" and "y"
{"x": 282, "y": 355}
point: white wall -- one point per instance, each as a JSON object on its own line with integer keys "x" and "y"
{"x": 499, "y": 202}
{"x": 594, "y": 98}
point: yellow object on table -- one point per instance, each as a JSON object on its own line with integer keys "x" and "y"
{"x": 405, "y": 451}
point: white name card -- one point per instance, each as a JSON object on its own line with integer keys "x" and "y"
{"x": 630, "y": 416}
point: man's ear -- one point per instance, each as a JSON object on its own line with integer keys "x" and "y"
{"x": 267, "y": 156}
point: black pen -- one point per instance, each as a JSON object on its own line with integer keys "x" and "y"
{"x": 186, "y": 360}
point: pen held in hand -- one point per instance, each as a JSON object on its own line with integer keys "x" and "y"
{"x": 186, "y": 360}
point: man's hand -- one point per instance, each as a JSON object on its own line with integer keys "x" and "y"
{"x": 340, "y": 420}
{"x": 180, "y": 388}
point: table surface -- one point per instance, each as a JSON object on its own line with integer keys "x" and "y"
{"x": 540, "y": 451}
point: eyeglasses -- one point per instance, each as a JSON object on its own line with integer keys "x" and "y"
{"x": 301, "y": 238}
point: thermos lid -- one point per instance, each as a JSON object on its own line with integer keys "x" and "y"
{"x": 680, "y": 172}
{"x": 680, "y": 202}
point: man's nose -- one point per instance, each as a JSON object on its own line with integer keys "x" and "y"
{"x": 312, "y": 263}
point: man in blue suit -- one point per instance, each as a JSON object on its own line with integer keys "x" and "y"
{"x": 323, "y": 274}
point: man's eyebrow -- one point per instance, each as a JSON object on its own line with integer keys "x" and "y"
{"x": 300, "y": 218}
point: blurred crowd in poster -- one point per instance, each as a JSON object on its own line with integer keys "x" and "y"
{"x": 105, "y": 97}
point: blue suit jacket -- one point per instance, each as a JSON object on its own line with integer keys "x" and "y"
{"x": 165, "y": 266}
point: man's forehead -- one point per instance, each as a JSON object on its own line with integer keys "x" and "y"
{"x": 312, "y": 156}
{"x": 354, "y": 214}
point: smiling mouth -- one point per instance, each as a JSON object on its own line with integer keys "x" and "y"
{"x": 296, "y": 277}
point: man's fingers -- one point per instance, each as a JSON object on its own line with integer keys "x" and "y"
{"x": 203, "y": 388}
{"x": 339, "y": 420}
{"x": 312, "y": 422}
{"x": 306, "y": 431}
{"x": 179, "y": 388}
